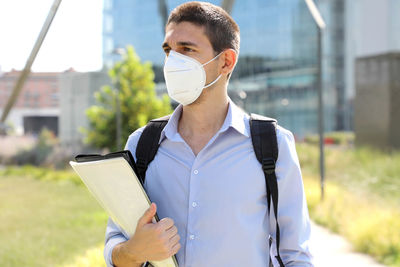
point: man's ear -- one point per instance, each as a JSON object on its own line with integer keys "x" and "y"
{"x": 229, "y": 58}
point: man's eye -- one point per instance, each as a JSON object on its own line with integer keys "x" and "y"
{"x": 166, "y": 51}
{"x": 187, "y": 49}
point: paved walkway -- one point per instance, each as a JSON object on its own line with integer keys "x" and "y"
{"x": 332, "y": 250}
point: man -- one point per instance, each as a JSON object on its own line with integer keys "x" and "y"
{"x": 205, "y": 181}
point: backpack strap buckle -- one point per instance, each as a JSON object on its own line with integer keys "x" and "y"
{"x": 268, "y": 165}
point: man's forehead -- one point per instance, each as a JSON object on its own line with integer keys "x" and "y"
{"x": 185, "y": 32}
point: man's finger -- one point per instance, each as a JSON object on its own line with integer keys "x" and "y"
{"x": 166, "y": 223}
{"x": 175, "y": 239}
{"x": 172, "y": 231}
{"x": 175, "y": 248}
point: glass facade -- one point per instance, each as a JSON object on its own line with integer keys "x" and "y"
{"x": 276, "y": 72}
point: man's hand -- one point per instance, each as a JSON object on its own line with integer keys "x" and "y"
{"x": 151, "y": 241}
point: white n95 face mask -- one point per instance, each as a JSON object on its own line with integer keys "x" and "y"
{"x": 185, "y": 77}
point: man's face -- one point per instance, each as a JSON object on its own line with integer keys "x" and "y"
{"x": 189, "y": 39}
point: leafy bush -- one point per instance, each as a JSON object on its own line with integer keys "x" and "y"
{"x": 46, "y": 152}
{"x": 138, "y": 102}
{"x": 38, "y": 154}
{"x": 40, "y": 173}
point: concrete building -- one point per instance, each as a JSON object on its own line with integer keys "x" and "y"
{"x": 76, "y": 95}
{"x": 376, "y": 50}
{"x": 377, "y": 104}
{"x": 37, "y": 106}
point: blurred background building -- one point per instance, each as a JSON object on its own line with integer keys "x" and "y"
{"x": 275, "y": 75}
{"x": 38, "y": 105}
{"x": 56, "y": 101}
{"x": 276, "y": 71}
{"x": 376, "y": 72}
{"x": 277, "y": 67}
{"x": 77, "y": 94}
{"x": 377, "y": 107}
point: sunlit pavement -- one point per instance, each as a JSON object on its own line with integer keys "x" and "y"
{"x": 332, "y": 250}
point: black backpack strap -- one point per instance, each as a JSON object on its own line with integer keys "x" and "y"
{"x": 265, "y": 144}
{"x": 148, "y": 144}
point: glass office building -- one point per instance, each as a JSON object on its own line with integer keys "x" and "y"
{"x": 276, "y": 72}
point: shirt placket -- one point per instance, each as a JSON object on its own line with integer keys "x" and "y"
{"x": 194, "y": 204}
{"x": 192, "y": 234}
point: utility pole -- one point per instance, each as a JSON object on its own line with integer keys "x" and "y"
{"x": 27, "y": 69}
{"x": 320, "y": 28}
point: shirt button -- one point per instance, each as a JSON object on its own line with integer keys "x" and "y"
{"x": 191, "y": 237}
{"x": 196, "y": 172}
{"x": 194, "y": 204}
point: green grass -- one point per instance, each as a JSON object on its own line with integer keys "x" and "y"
{"x": 48, "y": 223}
{"x": 362, "y": 197}
{"x": 363, "y": 170}
{"x": 59, "y": 223}
{"x": 92, "y": 257}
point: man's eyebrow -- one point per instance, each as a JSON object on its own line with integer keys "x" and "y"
{"x": 166, "y": 45}
{"x": 187, "y": 44}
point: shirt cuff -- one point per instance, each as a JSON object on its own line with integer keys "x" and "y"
{"x": 109, "y": 246}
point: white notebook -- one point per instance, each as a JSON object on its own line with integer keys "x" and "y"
{"x": 114, "y": 184}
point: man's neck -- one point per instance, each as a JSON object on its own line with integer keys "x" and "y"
{"x": 199, "y": 122}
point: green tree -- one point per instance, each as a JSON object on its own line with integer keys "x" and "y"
{"x": 138, "y": 102}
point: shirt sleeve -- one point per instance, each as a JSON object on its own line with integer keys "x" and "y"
{"x": 114, "y": 236}
{"x": 293, "y": 218}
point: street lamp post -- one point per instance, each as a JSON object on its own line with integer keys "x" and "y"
{"x": 320, "y": 27}
{"x": 243, "y": 96}
{"x": 118, "y": 51}
{"x": 321, "y": 116}
{"x": 118, "y": 116}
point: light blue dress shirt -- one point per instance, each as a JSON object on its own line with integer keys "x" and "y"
{"x": 218, "y": 201}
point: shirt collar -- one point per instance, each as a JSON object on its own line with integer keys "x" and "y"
{"x": 238, "y": 119}
{"x": 170, "y": 130}
{"x": 235, "y": 118}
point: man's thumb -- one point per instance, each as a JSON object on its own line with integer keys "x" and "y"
{"x": 148, "y": 215}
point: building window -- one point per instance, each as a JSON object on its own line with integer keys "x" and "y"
{"x": 109, "y": 46}
{"x": 108, "y": 24}
{"x": 10, "y": 87}
{"x": 54, "y": 99}
{"x": 108, "y": 4}
{"x": 27, "y": 97}
{"x": 36, "y": 99}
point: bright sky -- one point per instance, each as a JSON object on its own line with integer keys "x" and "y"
{"x": 73, "y": 40}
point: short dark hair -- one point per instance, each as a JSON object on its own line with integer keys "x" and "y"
{"x": 221, "y": 30}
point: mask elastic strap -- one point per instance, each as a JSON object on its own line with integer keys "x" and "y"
{"x": 212, "y": 59}
{"x": 216, "y": 80}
